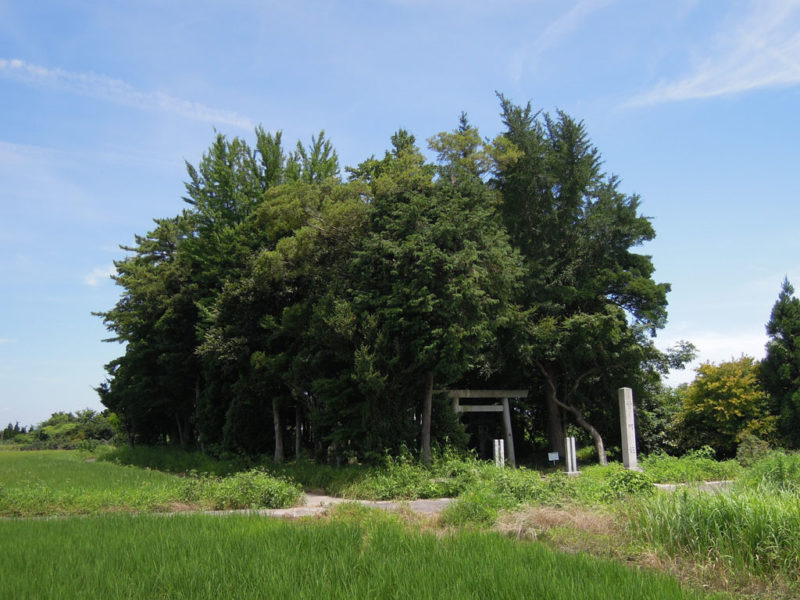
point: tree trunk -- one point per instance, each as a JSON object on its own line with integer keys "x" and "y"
{"x": 555, "y": 425}
{"x": 276, "y": 422}
{"x": 297, "y": 424}
{"x": 181, "y": 436}
{"x": 598, "y": 439}
{"x": 199, "y": 436}
{"x": 427, "y": 409}
{"x": 129, "y": 432}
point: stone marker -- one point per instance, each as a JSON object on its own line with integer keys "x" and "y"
{"x": 628, "y": 429}
{"x": 572, "y": 456}
{"x": 499, "y": 453}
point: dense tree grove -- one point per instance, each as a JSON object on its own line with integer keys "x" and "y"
{"x": 287, "y": 309}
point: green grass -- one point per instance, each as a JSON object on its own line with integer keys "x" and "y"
{"x": 236, "y": 556}
{"x": 692, "y": 468}
{"x": 777, "y": 470}
{"x": 754, "y": 531}
{"x": 753, "y": 528}
{"x": 35, "y": 483}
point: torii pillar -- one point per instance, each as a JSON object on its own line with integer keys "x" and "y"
{"x": 503, "y": 407}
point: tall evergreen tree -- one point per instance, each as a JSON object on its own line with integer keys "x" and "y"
{"x": 780, "y": 369}
{"x": 593, "y": 304}
{"x": 432, "y": 279}
{"x": 152, "y": 386}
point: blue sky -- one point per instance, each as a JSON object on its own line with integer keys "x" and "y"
{"x": 694, "y": 104}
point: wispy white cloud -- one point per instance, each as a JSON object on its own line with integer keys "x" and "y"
{"x": 471, "y": 5}
{"x": 761, "y": 49}
{"x": 557, "y": 30}
{"x": 7, "y": 340}
{"x": 99, "y": 275}
{"x": 119, "y": 92}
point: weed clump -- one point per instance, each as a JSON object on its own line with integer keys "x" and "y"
{"x": 250, "y": 489}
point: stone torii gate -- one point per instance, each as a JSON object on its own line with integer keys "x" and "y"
{"x": 457, "y": 395}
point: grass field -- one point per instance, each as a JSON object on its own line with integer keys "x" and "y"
{"x": 744, "y": 540}
{"x": 65, "y": 482}
{"x": 355, "y": 556}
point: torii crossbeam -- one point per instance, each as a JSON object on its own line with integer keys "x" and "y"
{"x": 457, "y": 395}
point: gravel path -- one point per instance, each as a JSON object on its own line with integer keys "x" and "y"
{"x": 706, "y": 486}
{"x": 316, "y": 504}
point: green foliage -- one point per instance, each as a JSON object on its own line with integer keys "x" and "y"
{"x": 8, "y": 434}
{"x": 284, "y": 305}
{"x": 175, "y": 460}
{"x": 594, "y": 306}
{"x": 780, "y": 369}
{"x": 479, "y": 505}
{"x": 723, "y": 403}
{"x": 693, "y": 467}
{"x": 85, "y": 430}
{"x": 630, "y": 483}
{"x": 751, "y": 449}
{"x": 250, "y": 489}
{"x": 657, "y": 407}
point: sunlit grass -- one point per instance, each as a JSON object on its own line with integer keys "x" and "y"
{"x": 249, "y": 557}
{"x": 59, "y": 482}
{"x": 753, "y": 531}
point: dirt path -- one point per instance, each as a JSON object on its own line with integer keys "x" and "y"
{"x": 705, "y": 486}
{"x": 316, "y": 504}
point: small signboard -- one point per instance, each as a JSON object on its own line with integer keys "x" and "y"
{"x": 552, "y": 457}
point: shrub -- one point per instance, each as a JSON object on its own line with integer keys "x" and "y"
{"x": 253, "y": 489}
{"x": 634, "y": 483}
{"x": 751, "y": 449}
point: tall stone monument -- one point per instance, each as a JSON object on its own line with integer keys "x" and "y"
{"x": 629, "y": 458}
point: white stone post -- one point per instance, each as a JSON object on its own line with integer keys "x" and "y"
{"x": 499, "y": 453}
{"x": 571, "y": 456}
{"x": 629, "y": 458}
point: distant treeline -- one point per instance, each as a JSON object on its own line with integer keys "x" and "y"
{"x": 291, "y": 309}
{"x": 64, "y": 430}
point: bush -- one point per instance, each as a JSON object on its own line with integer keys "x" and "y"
{"x": 751, "y": 449}
{"x": 633, "y": 483}
{"x": 251, "y": 489}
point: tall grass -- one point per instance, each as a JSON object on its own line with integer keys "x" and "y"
{"x": 755, "y": 531}
{"x": 777, "y": 470}
{"x": 694, "y": 467}
{"x": 246, "y": 557}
